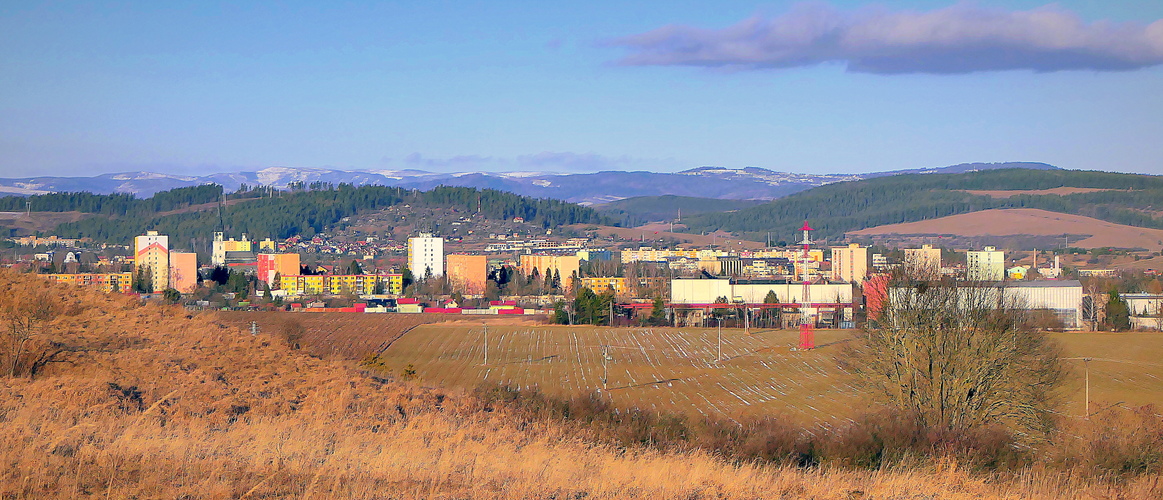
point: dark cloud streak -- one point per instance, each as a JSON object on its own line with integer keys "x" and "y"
{"x": 957, "y": 39}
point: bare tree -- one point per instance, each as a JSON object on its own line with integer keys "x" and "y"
{"x": 958, "y": 356}
{"x": 25, "y": 315}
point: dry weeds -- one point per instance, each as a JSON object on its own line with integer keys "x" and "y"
{"x": 153, "y": 403}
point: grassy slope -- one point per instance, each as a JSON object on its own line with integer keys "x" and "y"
{"x": 153, "y": 403}
{"x": 837, "y": 208}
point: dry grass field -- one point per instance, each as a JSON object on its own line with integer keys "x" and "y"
{"x": 147, "y": 401}
{"x": 1028, "y": 221}
{"x": 664, "y": 369}
{"x": 673, "y": 369}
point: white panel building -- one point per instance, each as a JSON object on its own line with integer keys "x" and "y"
{"x": 1061, "y": 297}
{"x": 988, "y": 264}
{"x": 426, "y": 253}
{"x": 705, "y": 291}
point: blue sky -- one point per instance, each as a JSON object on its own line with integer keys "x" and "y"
{"x": 193, "y": 87}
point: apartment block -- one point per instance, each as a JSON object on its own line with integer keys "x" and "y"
{"x": 563, "y": 265}
{"x": 333, "y": 284}
{"x": 277, "y": 264}
{"x": 105, "y": 282}
{"x": 183, "y": 271}
{"x": 850, "y": 263}
{"x": 426, "y": 255}
{"x": 600, "y": 285}
{"x": 152, "y": 252}
{"x": 923, "y": 260}
{"x": 987, "y": 264}
{"x": 467, "y": 273}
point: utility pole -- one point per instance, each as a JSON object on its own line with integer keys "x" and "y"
{"x": 486, "y": 331}
{"x": 605, "y": 358}
{"x": 1086, "y": 365}
{"x": 719, "y": 356}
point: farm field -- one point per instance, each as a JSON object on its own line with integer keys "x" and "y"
{"x": 1028, "y": 221}
{"x": 347, "y": 335}
{"x": 664, "y": 369}
{"x": 674, "y": 369}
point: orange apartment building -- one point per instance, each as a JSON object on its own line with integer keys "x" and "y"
{"x": 467, "y": 273}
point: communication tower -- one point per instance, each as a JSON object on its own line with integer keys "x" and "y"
{"x": 807, "y": 336}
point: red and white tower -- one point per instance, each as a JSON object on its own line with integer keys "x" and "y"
{"x": 807, "y": 336}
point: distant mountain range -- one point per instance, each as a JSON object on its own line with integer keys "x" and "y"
{"x": 751, "y": 183}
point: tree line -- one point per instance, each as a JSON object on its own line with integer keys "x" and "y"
{"x": 310, "y": 209}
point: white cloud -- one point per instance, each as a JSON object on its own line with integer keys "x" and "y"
{"x": 958, "y": 39}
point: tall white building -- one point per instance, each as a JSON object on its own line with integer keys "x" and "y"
{"x": 988, "y": 264}
{"x": 152, "y": 252}
{"x": 426, "y": 253}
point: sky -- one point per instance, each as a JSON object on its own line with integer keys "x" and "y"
{"x": 817, "y": 87}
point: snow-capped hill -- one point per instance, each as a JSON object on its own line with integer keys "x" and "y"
{"x": 149, "y": 176}
{"x": 750, "y": 183}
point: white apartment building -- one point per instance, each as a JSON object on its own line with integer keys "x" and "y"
{"x": 988, "y": 264}
{"x": 426, "y": 253}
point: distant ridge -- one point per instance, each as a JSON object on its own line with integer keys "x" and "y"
{"x": 750, "y": 183}
{"x": 840, "y": 208}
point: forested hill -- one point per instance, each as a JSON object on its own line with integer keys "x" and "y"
{"x": 834, "y": 209}
{"x": 643, "y": 209}
{"x": 279, "y": 214}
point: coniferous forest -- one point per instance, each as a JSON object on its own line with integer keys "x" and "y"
{"x": 302, "y": 209}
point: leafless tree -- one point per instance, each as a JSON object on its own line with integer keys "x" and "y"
{"x": 958, "y": 356}
{"x": 25, "y": 315}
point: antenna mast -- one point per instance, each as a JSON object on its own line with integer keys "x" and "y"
{"x": 807, "y": 336}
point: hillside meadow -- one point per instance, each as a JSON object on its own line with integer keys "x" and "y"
{"x": 148, "y": 401}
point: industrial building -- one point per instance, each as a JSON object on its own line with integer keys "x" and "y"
{"x": 705, "y": 291}
{"x": 1061, "y": 297}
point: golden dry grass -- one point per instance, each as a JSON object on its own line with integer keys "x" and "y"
{"x": 154, "y": 404}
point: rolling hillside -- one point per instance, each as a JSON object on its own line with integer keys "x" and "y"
{"x": 305, "y": 210}
{"x": 839, "y": 208}
{"x": 1028, "y": 221}
{"x": 643, "y": 209}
